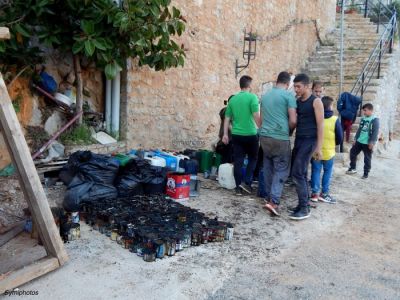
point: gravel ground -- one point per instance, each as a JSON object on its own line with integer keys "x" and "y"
{"x": 345, "y": 251}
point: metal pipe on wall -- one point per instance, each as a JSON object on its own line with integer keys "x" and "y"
{"x": 116, "y": 103}
{"x": 341, "y": 47}
{"x": 108, "y": 105}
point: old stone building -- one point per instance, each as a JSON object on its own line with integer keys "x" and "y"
{"x": 179, "y": 108}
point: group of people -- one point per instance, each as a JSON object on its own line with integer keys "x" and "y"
{"x": 261, "y": 131}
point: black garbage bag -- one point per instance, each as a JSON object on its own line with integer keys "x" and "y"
{"x": 95, "y": 167}
{"x": 82, "y": 190}
{"x": 128, "y": 185}
{"x": 100, "y": 168}
{"x": 71, "y": 168}
{"x": 158, "y": 181}
{"x": 139, "y": 176}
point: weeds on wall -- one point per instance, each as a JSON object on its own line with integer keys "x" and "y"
{"x": 78, "y": 135}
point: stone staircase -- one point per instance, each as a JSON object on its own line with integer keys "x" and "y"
{"x": 360, "y": 38}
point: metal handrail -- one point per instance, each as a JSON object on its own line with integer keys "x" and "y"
{"x": 379, "y": 50}
{"x": 368, "y": 6}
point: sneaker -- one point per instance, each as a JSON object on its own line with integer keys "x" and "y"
{"x": 314, "y": 197}
{"x": 293, "y": 209}
{"x": 327, "y": 199}
{"x": 365, "y": 176}
{"x": 247, "y": 188}
{"x": 351, "y": 171}
{"x": 273, "y": 208}
{"x": 238, "y": 191}
{"x": 301, "y": 214}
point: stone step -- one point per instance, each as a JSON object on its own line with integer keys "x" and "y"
{"x": 335, "y": 78}
{"x": 362, "y": 22}
{"x": 346, "y": 51}
{"x": 352, "y": 18}
{"x": 347, "y": 54}
{"x": 352, "y": 72}
{"x": 347, "y": 67}
{"x": 360, "y": 27}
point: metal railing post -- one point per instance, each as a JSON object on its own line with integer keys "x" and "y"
{"x": 392, "y": 33}
{"x": 379, "y": 60}
{"x": 341, "y": 48}
{"x": 379, "y": 18}
{"x": 366, "y": 9}
{"x": 362, "y": 90}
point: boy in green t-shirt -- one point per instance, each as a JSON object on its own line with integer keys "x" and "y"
{"x": 365, "y": 140}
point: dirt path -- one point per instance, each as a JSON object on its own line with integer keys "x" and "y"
{"x": 348, "y": 250}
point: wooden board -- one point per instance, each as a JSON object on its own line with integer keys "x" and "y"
{"x": 4, "y": 33}
{"x": 19, "y": 252}
{"x": 28, "y": 177}
{"x": 10, "y": 280}
{"x": 17, "y": 229}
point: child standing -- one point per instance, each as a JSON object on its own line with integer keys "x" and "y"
{"x": 318, "y": 89}
{"x": 365, "y": 140}
{"x": 333, "y": 136}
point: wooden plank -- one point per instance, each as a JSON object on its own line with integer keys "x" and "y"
{"x": 3, "y": 230}
{"x": 4, "y": 238}
{"x": 28, "y": 177}
{"x": 4, "y": 33}
{"x": 49, "y": 169}
{"x": 19, "y": 252}
{"x": 16, "y": 278}
{"x": 54, "y": 163}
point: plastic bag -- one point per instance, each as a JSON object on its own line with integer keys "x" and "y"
{"x": 82, "y": 190}
{"x": 48, "y": 83}
{"x": 95, "y": 167}
{"x": 138, "y": 176}
{"x": 128, "y": 186}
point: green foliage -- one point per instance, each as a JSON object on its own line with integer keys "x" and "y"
{"x": 79, "y": 135}
{"x": 97, "y": 29}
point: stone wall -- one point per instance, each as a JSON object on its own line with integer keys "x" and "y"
{"x": 179, "y": 108}
{"x": 388, "y": 97}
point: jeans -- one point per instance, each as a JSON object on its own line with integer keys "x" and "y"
{"x": 259, "y": 173}
{"x": 261, "y": 184}
{"x": 243, "y": 145}
{"x": 302, "y": 153}
{"x": 355, "y": 150}
{"x": 317, "y": 166}
{"x": 276, "y": 166}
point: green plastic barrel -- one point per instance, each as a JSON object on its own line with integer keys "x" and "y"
{"x": 217, "y": 160}
{"x": 206, "y": 161}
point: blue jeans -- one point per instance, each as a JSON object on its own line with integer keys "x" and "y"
{"x": 261, "y": 184}
{"x": 317, "y": 166}
{"x": 276, "y": 166}
{"x": 302, "y": 152}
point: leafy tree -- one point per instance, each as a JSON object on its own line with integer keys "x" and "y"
{"x": 99, "y": 30}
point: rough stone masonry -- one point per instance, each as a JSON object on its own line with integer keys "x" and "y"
{"x": 179, "y": 108}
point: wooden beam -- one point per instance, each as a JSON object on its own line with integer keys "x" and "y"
{"x": 10, "y": 280}
{"x": 4, "y": 33}
{"x": 28, "y": 177}
{"x": 17, "y": 229}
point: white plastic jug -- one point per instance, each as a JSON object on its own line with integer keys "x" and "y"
{"x": 156, "y": 161}
{"x": 225, "y": 176}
